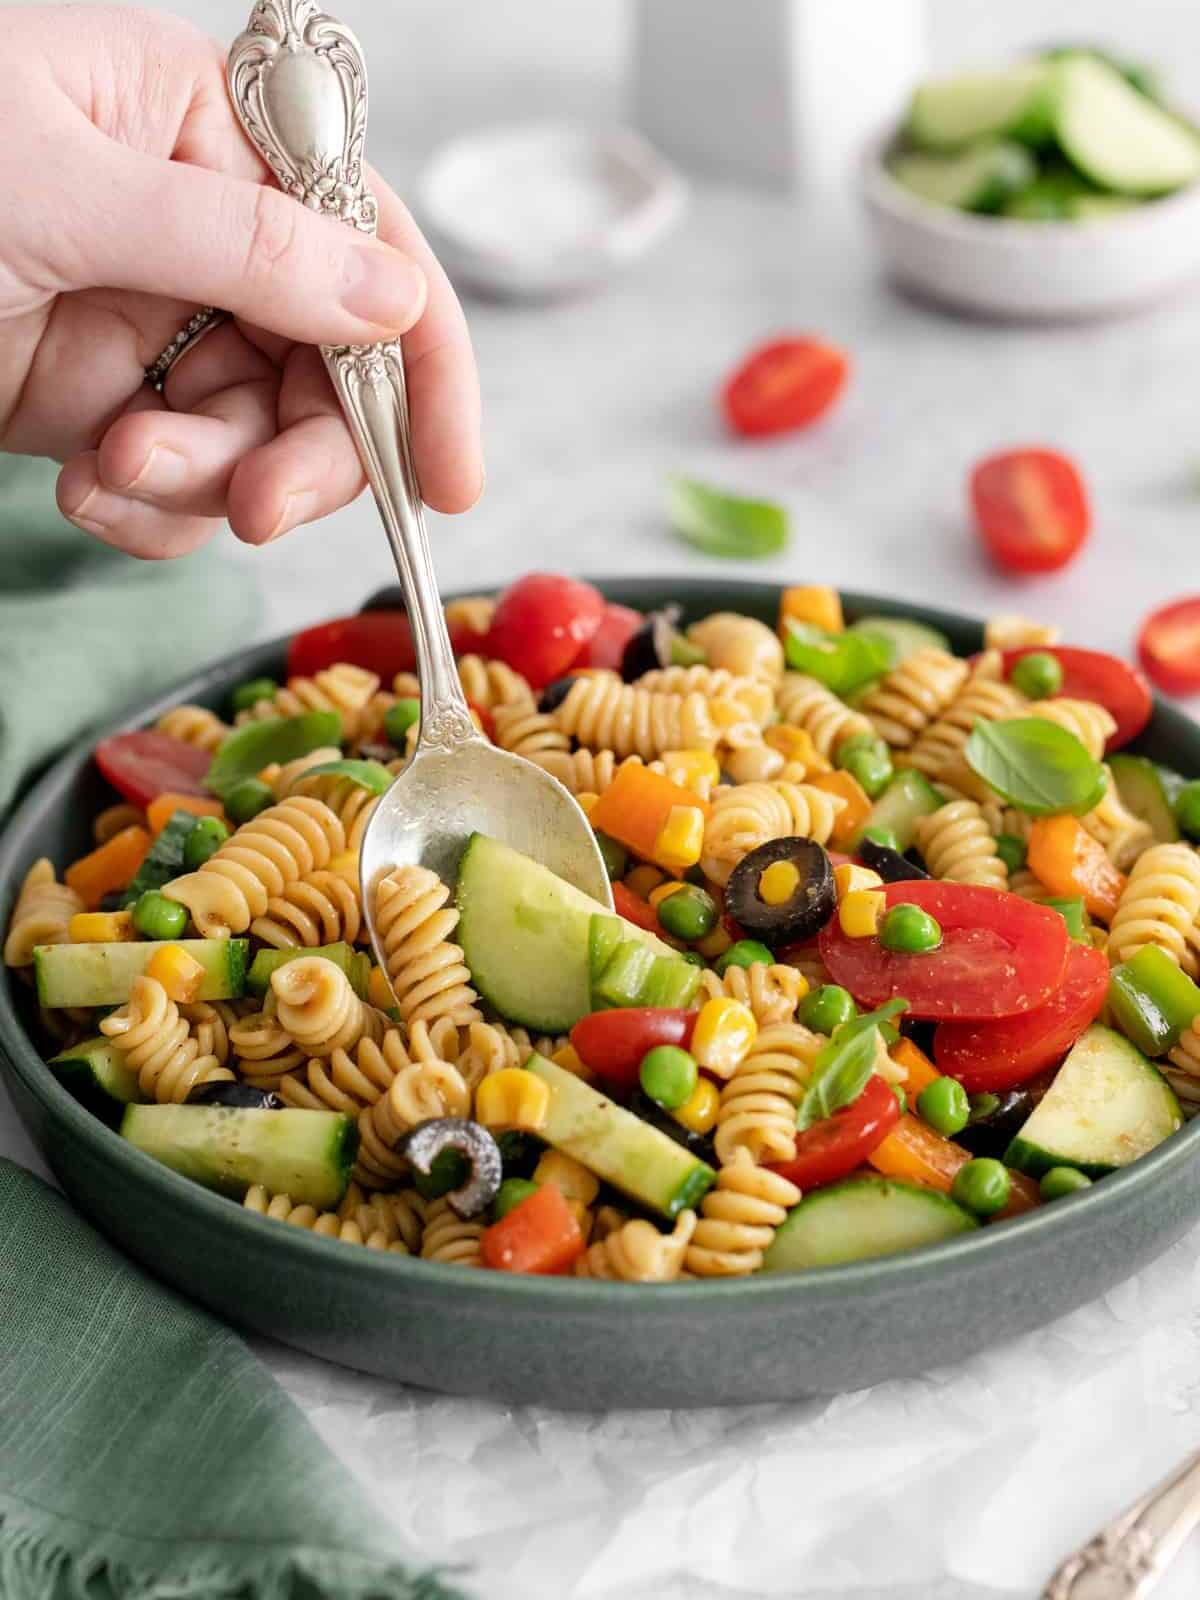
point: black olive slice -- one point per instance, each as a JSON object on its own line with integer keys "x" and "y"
{"x": 651, "y": 646}
{"x": 553, "y": 695}
{"x": 997, "y": 1117}
{"x": 239, "y": 1096}
{"x": 697, "y": 1144}
{"x": 804, "y": 913}
{"x": 429, "y": 1139}
{"x": 891, "y": 866}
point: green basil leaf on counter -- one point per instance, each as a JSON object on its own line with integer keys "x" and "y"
{"x": 843, "y": 1066}
{"x": 1036, "y": 766}
{"x": 723, "y": 524}
{"x": 843, "y": 662}
{"x": 249, "y": 749}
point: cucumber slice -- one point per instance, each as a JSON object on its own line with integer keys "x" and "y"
{"x": 624, "y": 979}
{"x": 102, "y": 974}
{"x": 908, "y": 797}
{"x": 356, "y": 964}
{"x": 1141, "y": 788}
{"x": 980, "y": 179}
{"x": 525, "y": 934}
{"x": 905, "y": 636}
{"x": 1050, "y": 197}
{"x": 305, "y": 1154}
{"x": 164, "y": 859}
{"x": 863, "y": 1217}
{"x": 1116, "y": 136}
{"x": 604, "y": 935}
{"x": 617, "y": 1146}
{"x": 1016, "y": 102}
{"x": 1107, "y": 1106}
{"x": 96, "y": 1074}
{"x": 1098, "y": 207}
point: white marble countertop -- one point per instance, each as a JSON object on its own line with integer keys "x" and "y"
{"x": 967, "y": 1483}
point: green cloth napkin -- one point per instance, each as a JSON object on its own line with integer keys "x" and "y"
{"x": 145, "y": 1454}
{"x": 85, "y": 630}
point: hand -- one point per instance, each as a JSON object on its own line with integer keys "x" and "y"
{"x": 132, "y": 198}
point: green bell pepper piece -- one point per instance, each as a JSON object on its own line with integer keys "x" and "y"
{"x": 1152, "y": 1000}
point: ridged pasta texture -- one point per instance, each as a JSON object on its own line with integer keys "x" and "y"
{"x": 419, "y": 1091}
{"x": 738, "y": 644}
{"x": 913, "y": 695}
{"x": 828, "y": 721}
{"x": 1093, "y": 725}
{"x": 42, "y": 914}
{"x": 637, "y": 1252}
{"x": 1008, "y": 631}
{"x": 984, "y": 697}
{"x": 957, "y": 844}
{"x": 321, "y": 908}
{"x": 449, "y": 1238}
{"x": 425, "y": 968}
{"x": 1123, "y": 835}
{"x": 754, "y": 697}
{"x": 263, "y": 1049}
{"x": 349, "y": 801}
{"x": 194, "y": 725}
{"x": 319, "y": 1010}
{"x": 373, "y": 1226}
{"x": 342, "y": 688}
{"x": 583, "y": 771}
{"x": 526, "y": 731}
{"x": 771, "y": 993}
{"x": 1160, "y": 905}
{"x": 758, "y": 1104}
{"x": 158, "y": 1045}
{"x": 488, "y": 684}
{"x": 744, "y": 817}
{"x": 738, "y": 1219}
{"x": 606, "y": 714}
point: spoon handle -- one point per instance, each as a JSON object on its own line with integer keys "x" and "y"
{"x": 298, "y": 84}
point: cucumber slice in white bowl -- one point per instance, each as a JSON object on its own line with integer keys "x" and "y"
{"x": 1015, "y": 102}
{"x": 1117, "y": 137}
{"x": 980, "y": 179}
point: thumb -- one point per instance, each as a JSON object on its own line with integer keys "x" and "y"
{"x": 168, "y": 228}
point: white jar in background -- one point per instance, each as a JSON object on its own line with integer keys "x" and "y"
{"x": 781, "y": 93}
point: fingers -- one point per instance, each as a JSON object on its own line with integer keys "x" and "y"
{"x": 146, "y": 531}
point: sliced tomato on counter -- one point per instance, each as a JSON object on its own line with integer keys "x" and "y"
{"x": 378, "y": 641}
{"x": 1169, "y": 646}
{"x": 636, "y": 910}
{"x": 1031, "y": 509}
{"x": 542, "y": 624}
{"x": 539, "y": 1235}
{"x": 832, "y": 1148}
{"x": 1000, "y": 955}
{"x": 606, "y": 647}
{"x": 612, "y": 1043}
{"x": 141, "y": 766}
{"x": 783, "y": 385}
{"x": 1095, "y": 675}
{"x": 1000, "y": 1055}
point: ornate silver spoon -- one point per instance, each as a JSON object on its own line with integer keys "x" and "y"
{"x": 298, "y": 84}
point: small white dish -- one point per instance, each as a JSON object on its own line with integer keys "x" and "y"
{"x": 546, "y": 209}
{"x": 1031, "y": 271}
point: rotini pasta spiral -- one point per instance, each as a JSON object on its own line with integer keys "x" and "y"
{"x": 772, "y": 993}
{"x": 348, "y": 1081}
{"x": 194, "y": 725}
{"x": 488, "y": 684}
{"x": 425, "y": 969}
{"x": 741, "y": 645}
{"x": 584, "y": 772}
{"x": 526, "y": 731}
{"x": 744, "y": 817}
{"x": 157, "y": 1044}
{"x": 636, "y": 1252}
{"x": 342, "y": 688}
{"x": 349, "y": 801}
{"x": 957, "y": 844}
{"x": 210, "y": 1023}
{"x": 828, "y": 721}
{"x": 489, "y": 1048}
{"x": 115, "y": 819}
{"x": 233, "y": 887}
{"x": 606, "y": 714}
{"x": 1009, "y": 632}
{"x": 1160, "y": 905}
{"x": 753, "y": 695}
{"x": 263, "y": 1050}
{"x": 1093, "y": 725}
{"x": 1183, "y": 1068}
{"x": 449, "y": 1238}
{"x": 473, "y": 613}
{"x": 42, "y": 914}
{"x": 1123, "y": 835}
{"x": 318, "y": 1008}
{"x": 913, "y": 695}
{"x": 320, "y": 908}
{"x": 1006, "y": 819}
{"x": 758, "y": 1104}
{"x": 983, "y": 697}
{"x": 419, "y": 1091}
{"x": 750, "y": 760}
{"x": 369, "y": 1226}
{"x": 738, "y": 1219}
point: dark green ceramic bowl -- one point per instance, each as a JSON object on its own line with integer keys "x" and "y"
{"x": 569, "y": 1343}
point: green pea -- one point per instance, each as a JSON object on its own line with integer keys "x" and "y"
{"x": 668, "y": 1075}
{"x": 872, "y": 768}
{"x": 1187, "y": 809}
{"x": 510, "y": 1195}
{"x": 857, "y": 742}
{"x": 943, "y": 1104}
{"x": 984, "y": 1105}
{"x": 247, "y": 695}
{"x": 156, "y": 917}
{"x": 886, "y": 838}
{"x": 745, "y": 953}
{"x": 246, "y": 799}
{"x": 399, "y": 719}
{"x": 901, "y": 1098}
{"x": 1011, "y": 851}
{"x": 616, "y": 857}
{"x": 824, "y": 1010}
{"x": 688, "y": 914}
{"x": 1038, "y": 675}
{"x": 906, "y": 927}
{"x": 1062, "y": 1181}
{"x": 209, "y": 834}
{"x": 982, "y": 1186}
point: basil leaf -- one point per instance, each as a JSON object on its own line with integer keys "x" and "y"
{"x": 1036, "y": 766}
{"x": 843, "y": 1066}
{"x": 725, "y": 524}
{"x": 249, "y": 749}
{"x": 370, "y": 775}
{"x": 843, "y": 662}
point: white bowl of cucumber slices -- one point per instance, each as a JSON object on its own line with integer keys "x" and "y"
{"x": 1060, "y": 187}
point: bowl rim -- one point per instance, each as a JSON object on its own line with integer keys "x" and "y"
{"x": 976, "y": 1250}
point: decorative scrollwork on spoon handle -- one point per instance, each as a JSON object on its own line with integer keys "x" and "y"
{"x": 299, "y": 87}
{"x": 1126, "y": 1560}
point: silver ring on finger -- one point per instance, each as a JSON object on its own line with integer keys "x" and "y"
{"x": 188, "y": 337}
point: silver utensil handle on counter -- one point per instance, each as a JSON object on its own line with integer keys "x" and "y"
{"x": 1127, "y": 1558}
{"x": 299, "y": 87}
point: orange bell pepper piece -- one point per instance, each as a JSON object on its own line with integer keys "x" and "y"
{"x": 1065, "y": 857}
{"x": 814, "y": 603}
{"x": 1022, "y": 1197}
{"x": 636, "y": 805}
{"x": 539, "y": 1235}
{"x": 112, "y": 866}
{"x": 164, "y": 806}
{"x": 857, "y": 807}
{"x": 921, "y": 1071}
{"x": 914, "y": 1153}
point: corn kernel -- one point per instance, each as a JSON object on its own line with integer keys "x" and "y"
{"x": 778, "y": 883}
{"x": 101, "y": 927}
{"x": 813, "y": 603}
{"x": 795, "y": 745}
{"x": 681, "y": 837}
{"x": 714, "y": 944}
{"x": 568, "y": 1058}
{"x": 379, "y": 990}
{"x": 861, "y": 911}
{"x": 698, "y": 1113}
{"x": 642, "y": 880}
{"x": 178, "y": 971}
{"x": 697, "y": 770}
{"x": 345, "y": 864}
{"x": 586, "y": 801}
{"x": 571, "y": 1178}
{"x": 664, "y": 891}
{"x": 849, "y": 877}
{"x": 724, "y": 1036}
{"x": 512, "y": 1098}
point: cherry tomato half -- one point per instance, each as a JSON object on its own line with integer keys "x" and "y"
{"x": 833, "y": 1147}
{"x": 636, "y": 910}
{"x": 1001, "y": 1055}
{"x": 1031, "y": 509}
{"x": 606, "y": 647}
{"x": 1000, "y": 956}
{"x": 542, "y": 623}
{"x": 539, "y": 1235}
{"x": 784, "y": 385}
{"x": 1094, "y": 675}
{"x": 1169, "y": 646}
{"x": 613, "y": 1043}
{"x": 141, "y": 766}
{"x": 378, "y": 641}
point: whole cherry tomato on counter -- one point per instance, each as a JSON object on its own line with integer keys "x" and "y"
{"x": 784, "y": 385}
{"x": 1169, "y": 646}
{"x": 1031, "y": 509}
